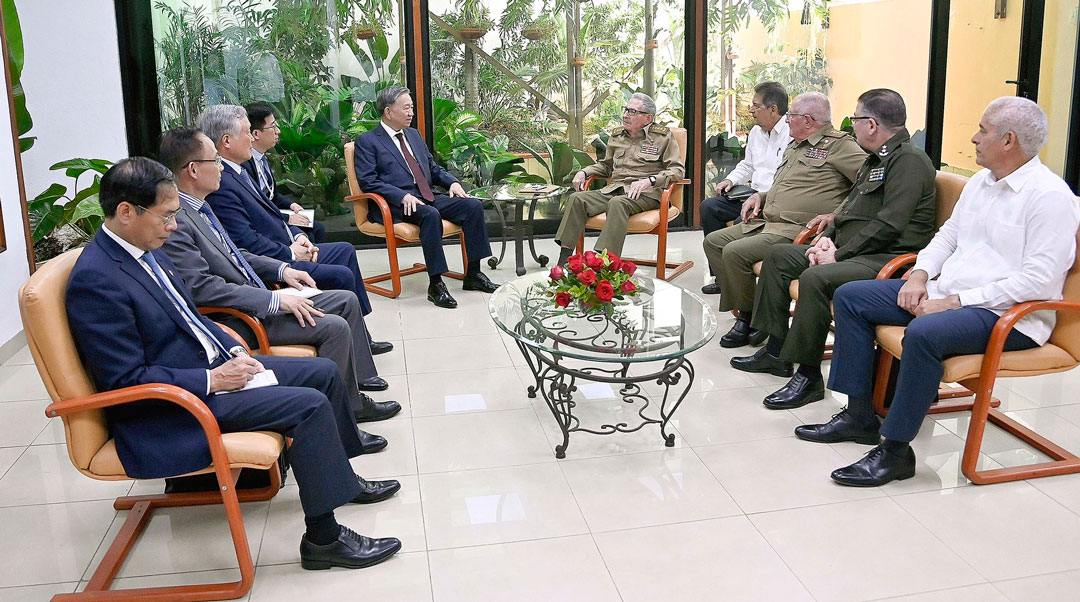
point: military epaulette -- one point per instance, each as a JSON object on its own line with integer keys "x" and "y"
{"x": 658, "y": 129}
{"x": 618, "y": 131}
{"x": 835, "y": 133}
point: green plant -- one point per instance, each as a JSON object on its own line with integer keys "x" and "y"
{"x": 466, "y": 151}
{"x": 472, "y": 14}
{"x": 562, "y": 161}
{"x": 13, "y": 33}
{"x": 61, "y": 218}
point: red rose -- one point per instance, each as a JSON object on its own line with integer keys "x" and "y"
{"x": 562, "y": 299}
{"x": 587, "y": 277}
{"x": 628, "y": 287}
{"x": 629, "y": 267}
{"x": 595, "y": 261}
{"x": 614, "y": 262}
{"x": 575, "y": 263}
{"x": 604, "y": 290}
{"x": 556, "y": 272}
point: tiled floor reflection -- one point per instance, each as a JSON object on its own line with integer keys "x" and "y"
{"x": 737, "y": 510}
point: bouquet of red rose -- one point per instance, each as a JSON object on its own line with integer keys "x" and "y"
{"x": 595, "y": 280}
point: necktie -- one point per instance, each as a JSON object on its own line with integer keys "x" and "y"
{"x": 238, "y": 257}
{"x": 267, "y": 177}
{"x": 251, "y": 185}
{"x": 418, "y": 174}
{"x": 247, "y": 180}
{"x": 179, "y": 301}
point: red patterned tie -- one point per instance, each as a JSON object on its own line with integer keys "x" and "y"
{"x": 418, "y": 174}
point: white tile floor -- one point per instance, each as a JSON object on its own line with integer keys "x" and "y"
{"x": 738, "y": 510}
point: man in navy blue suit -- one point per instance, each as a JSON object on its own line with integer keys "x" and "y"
{"x": 392, "y": 161}
{"x": 265, "y": 133}
{"x": 255, "y": 224}
{"x": 134, "y": 323}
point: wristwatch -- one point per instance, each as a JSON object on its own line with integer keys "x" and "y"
{"x": 652, "y": 180}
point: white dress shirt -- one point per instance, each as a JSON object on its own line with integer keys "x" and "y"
{"x": 393, "y": 136}
{"x": 1008, "y": 241}
{"x": 265, "y": 180}
{"x": 764, "y": 152}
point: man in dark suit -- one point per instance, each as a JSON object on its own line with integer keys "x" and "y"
{"x": 393, "y": 161}
{"x": 265, "y": 133}
{"x": 135, "y": 323}
{"x": 255, "y": 224}
{"x": 220, "y": 274}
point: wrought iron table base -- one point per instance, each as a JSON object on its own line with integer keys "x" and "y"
{"x": 520, "y": 229}
{"x": 556, "y": 382}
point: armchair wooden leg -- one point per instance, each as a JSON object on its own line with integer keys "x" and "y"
{"x": 394, "y": 275}
{"x": 660, "y": 263}
{"x": 581, "y": 244}
{"x": 464, "y": 260}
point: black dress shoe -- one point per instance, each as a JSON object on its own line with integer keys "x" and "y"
{"x": 374, "y": 383}
{"x": 738, "y": 336}
{"x": 374, "y": 411}
{"x": 756, "y": 337}
{"x": 842, "y": 427}
{"x": 437, "y": 294}
{"x": 381, "y": 347}
{"x": 878, "y": 467}
{"x": 351, "y": 551}
{"x": 375, "y": 491}
{"x": 712, "y": 288}
{"x": 479, "y": 282}
{"x": 761, "y": 361}
{"x": 371, "y": 443}
{"x": 798, "y": 392}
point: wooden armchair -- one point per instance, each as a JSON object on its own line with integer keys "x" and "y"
{"x": 395, "y": 234}
{"x": 654, "y": 221}
{"x": 265, "y": 348}
{"x": 93, "y": 452}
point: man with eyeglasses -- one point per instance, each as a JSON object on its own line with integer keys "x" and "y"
{"x": 642, "y": 159}
{"x": 765, "y": 146}
{"x": 265, "y": 134}
{"x": 890, "y": 211}
{"x": 818, "y": 170}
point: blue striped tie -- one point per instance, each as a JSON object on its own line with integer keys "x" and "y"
{"x": 237, "y": 255}
{"x": 179, "y": 301}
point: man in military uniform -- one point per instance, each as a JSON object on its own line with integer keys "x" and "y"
{"x": 642, "y": 158}
{"x": 890, "y": 211}
{"x": 818, "y": 170}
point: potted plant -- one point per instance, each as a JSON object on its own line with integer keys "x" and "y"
{"x": 63, "y": 219}
{"x": 540, "y": 29}
{"x": 474, "y": 19}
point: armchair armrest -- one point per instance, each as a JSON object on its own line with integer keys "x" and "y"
{"x": 589, "y": 181}
{"x": 250, "y": 321}
{"x": 1004, "y": 325}
{"x": 384, "y": 210}
{"x": 889, "y": 269}
{"x": 809, "y": 235}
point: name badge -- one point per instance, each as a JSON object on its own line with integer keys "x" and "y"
{"x": 650, "y": 149}
{"x": 877, "y": 174}
{"x": 817, "y": 153}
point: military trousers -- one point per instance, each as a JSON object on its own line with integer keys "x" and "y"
{"x": 732, "y": 255}
{"x": 588, "y": 203}
{"x": 804, "y": 341}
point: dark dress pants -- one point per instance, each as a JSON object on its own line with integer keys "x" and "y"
{"x": 717, "y": 211}
{"x": 337, "y": 270}
{"x": 463, "y": 211}
{"x": 928, "y": 342}
{"x": 309, "y": 405}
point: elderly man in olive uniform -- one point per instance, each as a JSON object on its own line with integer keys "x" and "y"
{"x": 890, "y": 211}
{"x": 818, "y": 170}
{"x": 642, "y": 158}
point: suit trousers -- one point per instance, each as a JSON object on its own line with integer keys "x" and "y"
{"x": 340, "y": 336}
{"x": 309, "y": 405}
{"x": 337, "y": 270}
{"x": 804, "y": 343}
{"x": 462, "y": 211}
{"x": 732, "y": 255}
{"x": 928, "y": 342}
{"x": 717, "y": 211}
{"x": 588, "y": 203}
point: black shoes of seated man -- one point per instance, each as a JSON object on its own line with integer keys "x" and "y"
{"x": 798, "y": 391}
{"x": 381, "y": 347}
{"x": 437, "y": 294}
{"x": 878, "y": 467}
{"x": 763, "y": 362}
{"x": 375, "y": 383}
{"x": 371, "y": 443}
{"x": 842, "y": 427}
{"x": 375, "y": 491}
{"x": 351, "y": 551}
{"x": 712, "y": 288}
{"x": 741, "y": 335}
{"x": 374, "y": 411}
{"x": 479, "y": 282}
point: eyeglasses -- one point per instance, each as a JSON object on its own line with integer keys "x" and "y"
{"x": 273, "y": 126}
{"x": 806, "y": 115}
{"x": 855, "y": 118}
{"x": 165, "y": 219}
{"x": 216, "y": 159}
{"x": 634, "y": 112}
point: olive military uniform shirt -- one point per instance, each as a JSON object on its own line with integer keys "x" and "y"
{"x": 892, "y": 208}
{"x": 814, "y": 178}
{"x": 652, "y": 152}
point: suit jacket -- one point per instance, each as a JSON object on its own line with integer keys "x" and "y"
{"x": 129, "y": 333}
{"x": 281, "y": 201}
{"x": 252, "y": 221}
{"x": 381, "y": 169}
{"x": 207, "y": 268}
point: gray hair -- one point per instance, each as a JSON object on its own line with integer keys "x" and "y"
{"x": 1021, "y": 116}
{"x": 814, "y": 104}
{"x": 387, "y": 97}
{"x": 218, "y": 120}
{"x": 647, "y": 102}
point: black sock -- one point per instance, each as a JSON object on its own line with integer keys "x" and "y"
{"x": 895, "y": 447}
{"x": 862, "y": 412}
{"x": 810, "y": 371}
{"x": 745, "y": 316}
{"x": 773, "y": 346}
{"x": 322, "y": 529}
{"x": 434, "y": 279}
{"x": 473, "y": 268}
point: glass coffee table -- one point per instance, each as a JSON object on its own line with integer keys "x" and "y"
{"x": 505, "y": 196}
{"x": 648, "y": 338}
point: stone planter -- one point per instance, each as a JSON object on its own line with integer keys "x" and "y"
{"x": 472, "y": 33}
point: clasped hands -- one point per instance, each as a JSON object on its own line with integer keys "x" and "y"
{"x": 634, "y": 191}
{"x": 304, "y": 250}
{"x": 914, "y": 299}
{"x": 409, "y": 203}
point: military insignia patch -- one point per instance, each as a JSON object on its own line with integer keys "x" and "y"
{"x": 817, "y": 153}
{"x": 884, "y": 152}
{"x": 877, "y": 174}
{"x": 650, "y": 149}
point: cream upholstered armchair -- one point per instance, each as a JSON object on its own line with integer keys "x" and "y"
{"x": 82, "y": 408}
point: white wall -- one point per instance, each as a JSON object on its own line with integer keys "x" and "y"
{"x": 72, "y": 82}
{"x": 13, "y": 264}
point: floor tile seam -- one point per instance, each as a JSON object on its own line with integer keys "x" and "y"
{"x": 574, "y": 496}
{"x": 446, "y": 336}
{"x": 472, "y": 412}
{"x": 934, "y": 591}
{"x": 45, "y": 400}
{"x": 262, "y": 532}
{"x": 777, "y": 553}
{"x": 96, "y": 499}
{"x": 1035, "y": 483}
{"x": 1046, "y": 574}
{"x": 717, "y": 477}
{"x": 600, "y": 554}
{"x": 508, "y": 542}
{"x": 77, "y": 582}
{"x": 17, "y": 458}
{"x": 420, "y": 500}
{"x": 105, "y": 542}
